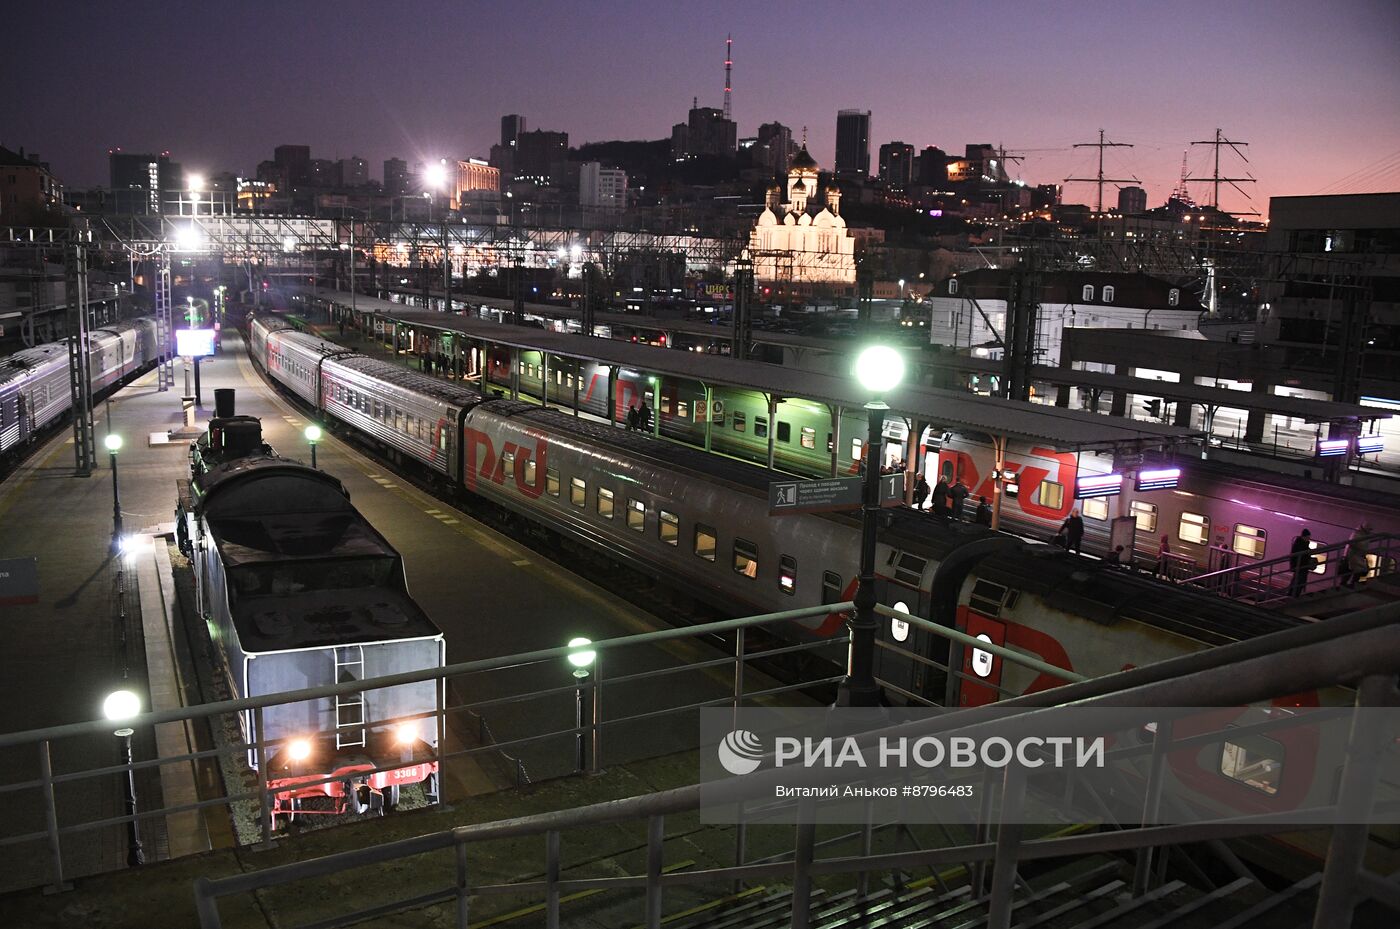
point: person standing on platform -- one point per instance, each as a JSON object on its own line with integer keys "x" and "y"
{"x": 956, "y": 497}
{"x": 1357, "y": 564}
{"x": 1115, "y": 557}
{"x": 644, "y": 417}
{"x": 984, "y": 512}
{"x": 1073, "y": 530}
{"x": 940, "y": 497}
{"x": 1300, "y": 560}
{"x": 921, "y": 491}
{"x": 633, "y": 415}
{"x": 1164, "y": 556}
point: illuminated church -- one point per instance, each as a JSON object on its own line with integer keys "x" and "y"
{"x": 801, "y": 240}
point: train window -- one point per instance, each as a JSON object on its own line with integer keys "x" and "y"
{"x": 760, "y": 426}
{"x": 1146, "y": 516}
{"x": 1194, "y": 528}
{"x": 1051, "y": 494}
{"x": 1095, "y": 508}
{"x": 987, "y": 597}
{"x": 745, "y": 558}
{"x": 1253, "y": 760}
{"x": 809, "y": 437}
{"x": 636, "y": 515}
{"x": 856, "y": 445}
{"x": 530, "y": 472}
{"x": 551, "y": 482}
{"x": 508, "y": 465}
{"x": 1320, "y": 561}
{"x": 739, "y": 421}
{"x": 668, "y": 527}
{"x": 787, "y": 574}
{"x": 830, "y": 443}
{"x": 1249, "y": 541}
{"x": 578, "y": 492}
{"x": 605, "y": 503}
{"x": 683, "y": 409}
{"x": 831, "y": 587}
{"x": 784, "y": 431}
{"x": 1108, "y": 293}
{"x": 705, "y": 542}
{"x": 442, "y": 439}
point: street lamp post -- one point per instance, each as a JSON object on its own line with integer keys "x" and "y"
{"x": 878, "y": 368}
{"x": 119, "y": 706}
{"x": 582, "y": 659}
{"x": 114, "y": 443}
{"x": 313, "y": 435}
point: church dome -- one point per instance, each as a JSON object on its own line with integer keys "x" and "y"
{"x": 799, "y": 187}
{"x": 803, "y": 160}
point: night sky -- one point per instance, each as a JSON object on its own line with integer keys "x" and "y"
{"x": 1313, "y": 86}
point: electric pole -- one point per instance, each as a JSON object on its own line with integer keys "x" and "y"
{"x": 1099, "y": 179}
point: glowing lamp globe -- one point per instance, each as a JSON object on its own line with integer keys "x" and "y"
{"x": 581, "y": 657}
{"x": 120, "y": 705}
{"x": 113, "y": 442}
{"x": 879, "y": 369}
{"x": 313, "y": 434}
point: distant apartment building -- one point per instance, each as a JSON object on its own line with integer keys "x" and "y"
{"x": 853, "y": 143}
{"x": 395, "y": 176}
{"x": 354, "y": 171}
{"x": 602, "y": 187}
{"x": 27, "y": 188}
{"x": 150, "y": 174}
{"x": 295, "y": 160}
{"x": 322, "y": 172}
{"x": 511, "y": 127}
{"x": 897, "y": 164}
{"x": 773, "y": 148}
{"x": 538, "y": 153}
{"x": 932, "y": 168}
{"x": 1131, "y": 201}
{"x": 476, "y": 182}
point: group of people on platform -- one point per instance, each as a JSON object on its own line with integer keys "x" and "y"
{"x": 639, "y": 418}
{"x": 949, "y": 500}
{"x": 1352, "y": 568}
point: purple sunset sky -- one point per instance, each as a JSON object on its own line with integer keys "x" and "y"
{"x": 1313, "y": 86}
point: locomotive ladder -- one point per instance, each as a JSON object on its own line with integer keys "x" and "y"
{"x": 349, "y": 708}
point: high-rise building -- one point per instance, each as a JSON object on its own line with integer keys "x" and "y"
{"x": 151, "y": 173}
{"x": 1131, "y": 201}
{"x": 475, "y": 182}
{"x": 680, "y": 140}
{"x": 774, "y": 148}
{"x": 897, "y": 164}
{"x": 322, "y": 172}
{"x": 853, "y": 142}
{"x": 709, "y": 133}
{"x": 295, "y": 160}
{"x": 511, "y": 127}
{"x": 395, "y": 176}
{"x": 537, "y": 152}
{"x": 933, "y": 167}
{"x": 354, "y": 171}
{"x": 602, "y": 187}
{"x": 30, "y": 188}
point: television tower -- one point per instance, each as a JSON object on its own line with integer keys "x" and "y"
{"x": 728, "y": 63}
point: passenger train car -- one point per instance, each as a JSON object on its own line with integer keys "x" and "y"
{"x": 1215, "y": 517}
{"x": 34, "y": 385}
{"x": 702, "y": 524}
{"x": 299, "y": 591}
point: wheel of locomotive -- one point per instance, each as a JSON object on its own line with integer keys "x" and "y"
{"x": 354, "y": 801}
{"x": 374, "y": 800}
{"x": 293, "y": 808}
{"x": 391, "y": 797}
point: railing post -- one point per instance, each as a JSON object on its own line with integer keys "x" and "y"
{"x": 656, "y": 837}
{"x": 441, "y": 720}
{"x": 595, "y": 765}
{"x": 1337, "y": 897}
{"x": 264, "y": 801}
{"x": 206, "y": 905}
{"x": 741, "y": 843}
{"x": 51, "y": 822}
{"x": 977, "y": 876}
{"x": 551, "y": 879}
{"x": 1151, "y": 805}
{"x": 803, "y": 848}
{"x": 867, "y": 847}
{"x": 738, "y": 673}
{"x": 1013, "y": 791}
{"x": 461, "y": 850}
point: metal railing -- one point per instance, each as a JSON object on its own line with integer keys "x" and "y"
{"x": 1361, "y": 649}
{"x": 1323, "y": 568}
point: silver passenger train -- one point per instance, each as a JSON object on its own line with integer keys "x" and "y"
{"x": 34, "y": 387}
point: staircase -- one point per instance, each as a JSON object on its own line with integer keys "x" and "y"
{"x": 1085, "y": 895}
{"x": 1273, "y": 582}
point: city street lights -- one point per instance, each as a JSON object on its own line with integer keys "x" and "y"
{"x": 582, "y": 658}
{"x": 313, "y": 435}
{"x": 120, "y": 706}
{"x": 114, "y": 444}
{"x": 878, "y": 369}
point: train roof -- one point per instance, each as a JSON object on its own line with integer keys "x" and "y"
{"x": 325, "y": 618}
{"x": 19, "y": 365}
{"x": 445, "y": 391}
{"x": 1109, "y": 595}
{"x": 1313, "y": 487}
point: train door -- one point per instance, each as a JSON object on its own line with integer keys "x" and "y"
{"x": 981, "y": 670}
{"x": 905, "y": 589}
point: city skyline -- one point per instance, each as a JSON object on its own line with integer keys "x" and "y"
{"x": 1311, "y": 89}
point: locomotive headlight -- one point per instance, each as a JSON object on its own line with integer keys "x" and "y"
{"x": 406, "y": 733}
{"x": 299, "y": 749}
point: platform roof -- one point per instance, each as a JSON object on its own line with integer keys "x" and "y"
{"x": 1060, "y": 428}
